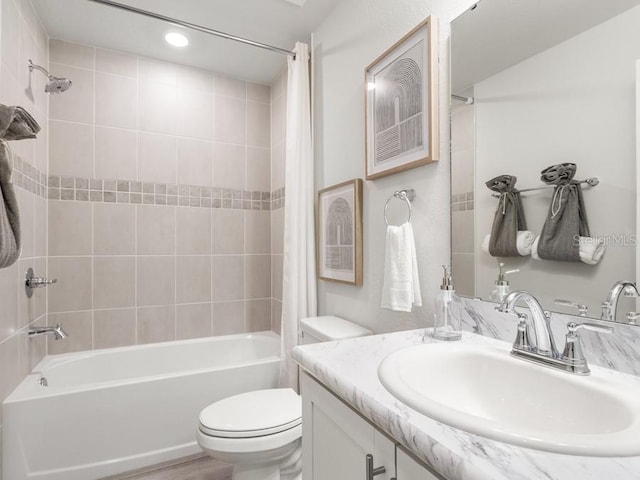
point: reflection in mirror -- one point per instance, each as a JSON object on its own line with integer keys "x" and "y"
{"x": 552, "y": 82}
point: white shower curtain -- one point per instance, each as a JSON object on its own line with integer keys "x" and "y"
{"x": 299, "y": 269}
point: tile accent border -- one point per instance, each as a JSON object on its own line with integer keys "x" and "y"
{"x": 461, "y": 202}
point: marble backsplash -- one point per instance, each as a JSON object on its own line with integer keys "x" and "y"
{"x": 619, "y": 350}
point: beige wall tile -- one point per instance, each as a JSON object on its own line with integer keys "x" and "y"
{"x": 26, "y": 206}
{"x": 194, "y": 113}
{"x": 276, "y": 276}
{"x": 116, "y": 153}
{"x": 257, "y": 231}
{"x": 74, "y": 288}
{"x": 230, "y": 120}
{"x": 277, "y": 167}
{"x": 228, "y": 318}
{"x": 116, "y": 101}
{"x": 156, "y": 281}
{"x": 156, "y": 230}
{"x": 114, "y": 328}
{"x": 195, "y": 162}
{"x": 193, "y": 231}
{"x": 277, "y": 231}
{"x": 26, "y": 305}
{"x": 258, "y": 315}
{"x": 157, "y": 158}
{"x": 157, "y": 107}
{"x": 151, "y": 70}
{"x": 156, "y": 324}
{"x": 9, "y": 365}
{"x": 76, "y": 105}
{"x": 40, "y": 242}
{"x": 258, "y": 93}
{"x": 9, "y": 288}
{"x": 229, "y": 166}
{"x": 39, "y": 298}
{"x": 73, "y": 54}
{"x": 70, "y": 149}
{"x": 276, "y": 316}
{"x": 79, "y": 327}
{"x": 10, "y": 38}
{"x": 114, "y": 229}
{"x": 69, "y": 228}
{"x": 228, "y": 231}
{"x": 278, "y": 120}
{"x": 195, "y": 79}
{"x": 258, "y": 124}
{"x": 230, "y": 87}
{"x": 193, "y": 279}
{"x": 258, "y": 169}
{"x": 32, "y": 350}
{"x": 116, "y": 63}
{"x": 228, "y": 278}
{"x": 114, "y": 282}
{"x": 193, "y": 321}
{"x": 258, "y": 275}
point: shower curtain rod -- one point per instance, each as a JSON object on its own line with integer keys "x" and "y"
{"x": 193, "y": 26}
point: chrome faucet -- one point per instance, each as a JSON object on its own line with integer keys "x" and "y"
{"x": 544, "y": 352}
{"x": 610, "y": 305}
{"x": 57, "y": 332}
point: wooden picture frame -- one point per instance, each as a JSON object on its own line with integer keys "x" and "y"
{"x": 401, "y": 104}
{"x": 339, "y": 233}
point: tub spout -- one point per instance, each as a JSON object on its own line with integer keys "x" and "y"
{"x": 57, "y": 332}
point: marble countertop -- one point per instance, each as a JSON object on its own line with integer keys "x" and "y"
{"x": 349, "y": 369}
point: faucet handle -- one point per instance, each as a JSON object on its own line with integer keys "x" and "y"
{"x": 632, "y": 317}
{"x": 582, "y": 309}
{"x": 522, "y": 341}
{"x": 573, "y": 354}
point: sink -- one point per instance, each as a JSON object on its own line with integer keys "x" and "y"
{"x": 483, "y": 390}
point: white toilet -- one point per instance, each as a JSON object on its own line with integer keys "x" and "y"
{"x": 260, "y": 432}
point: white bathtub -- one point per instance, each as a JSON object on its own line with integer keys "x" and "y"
{"x": 109, "y": 411}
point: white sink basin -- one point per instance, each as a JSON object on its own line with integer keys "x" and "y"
{"x": 483, "y": 390}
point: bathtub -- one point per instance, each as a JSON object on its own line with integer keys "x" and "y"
{"x": 109, "y": 411}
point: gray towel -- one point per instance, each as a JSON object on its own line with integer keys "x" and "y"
{"x": 15, "y": 124}
{"x": 567, "y": 217}
{"x": 509, "y": 217}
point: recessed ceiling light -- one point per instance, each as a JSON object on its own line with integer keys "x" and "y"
{"x": 176, "y": 39}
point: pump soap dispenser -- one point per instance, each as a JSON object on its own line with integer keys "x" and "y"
{"x": 502, "y": 285}
{"x": 447, "y": 320}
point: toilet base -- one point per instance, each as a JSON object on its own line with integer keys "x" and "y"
{"x": 289, "y": 468}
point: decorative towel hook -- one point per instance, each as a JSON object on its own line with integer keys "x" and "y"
{"x": 407, "y": 195}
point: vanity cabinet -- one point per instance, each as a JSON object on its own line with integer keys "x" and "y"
{"x": 336, "y": 441}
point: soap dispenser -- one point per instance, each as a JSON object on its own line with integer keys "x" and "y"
{"x": 502, "y": 288}
{"x": 447, "y": 319}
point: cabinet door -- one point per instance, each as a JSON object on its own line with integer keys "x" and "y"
{"x": 336, "y": 440}
{"x": 409, "y": 469}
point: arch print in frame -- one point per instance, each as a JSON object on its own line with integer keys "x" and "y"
{"x": 339, "y": 233}
{"x": 401, "y": 99}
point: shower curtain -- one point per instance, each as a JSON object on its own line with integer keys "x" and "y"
{"x": 299, "y": 268}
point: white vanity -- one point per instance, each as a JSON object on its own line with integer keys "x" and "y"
{"x": 348, "y": 414}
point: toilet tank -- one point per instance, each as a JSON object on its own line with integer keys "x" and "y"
{"x": 328, "y": 328}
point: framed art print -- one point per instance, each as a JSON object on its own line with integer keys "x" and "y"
{"x": 339, "y": 233}
{"x": 401, "y": 101}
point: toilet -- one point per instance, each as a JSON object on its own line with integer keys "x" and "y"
{"x": 260, "y": 432}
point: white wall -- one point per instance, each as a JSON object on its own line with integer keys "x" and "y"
{"x": 571, "y": 103}
{"x": 351, "y": 37}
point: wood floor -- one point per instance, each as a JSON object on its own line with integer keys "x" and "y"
{"x": 199, "y": 468}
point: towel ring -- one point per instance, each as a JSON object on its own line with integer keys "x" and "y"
{"x": 407, "y": 196}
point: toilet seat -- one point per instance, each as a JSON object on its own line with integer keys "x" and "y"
{"x": 253, "y": 414}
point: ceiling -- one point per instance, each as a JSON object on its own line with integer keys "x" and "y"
{"x": 500, "y": 33}
{"x": 276, "y": 22}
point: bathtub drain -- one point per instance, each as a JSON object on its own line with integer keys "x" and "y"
{"x": 43, "y": 382}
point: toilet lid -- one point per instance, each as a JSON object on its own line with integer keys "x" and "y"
{"x": 252, "y": 414}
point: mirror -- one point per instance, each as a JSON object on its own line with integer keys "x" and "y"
{"x": 552, "y": 81}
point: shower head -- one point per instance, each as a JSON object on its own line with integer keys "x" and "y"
{"x": 55, "y": 84}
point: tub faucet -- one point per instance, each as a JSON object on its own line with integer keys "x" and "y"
{"x": 610, "y": 305}
{"x": 544, "y": 352}
{"x": 57, "y": 332}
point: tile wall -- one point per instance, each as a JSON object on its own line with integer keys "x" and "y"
{"x": 278, "y": 129}
{"x": 160, "y": 201}
{"x": 22, "y": 38}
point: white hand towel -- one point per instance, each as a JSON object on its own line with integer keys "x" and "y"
{"x": 591, "y": 250}
{"x": 401, "y": 287}
{"x": 524, "y": 241}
